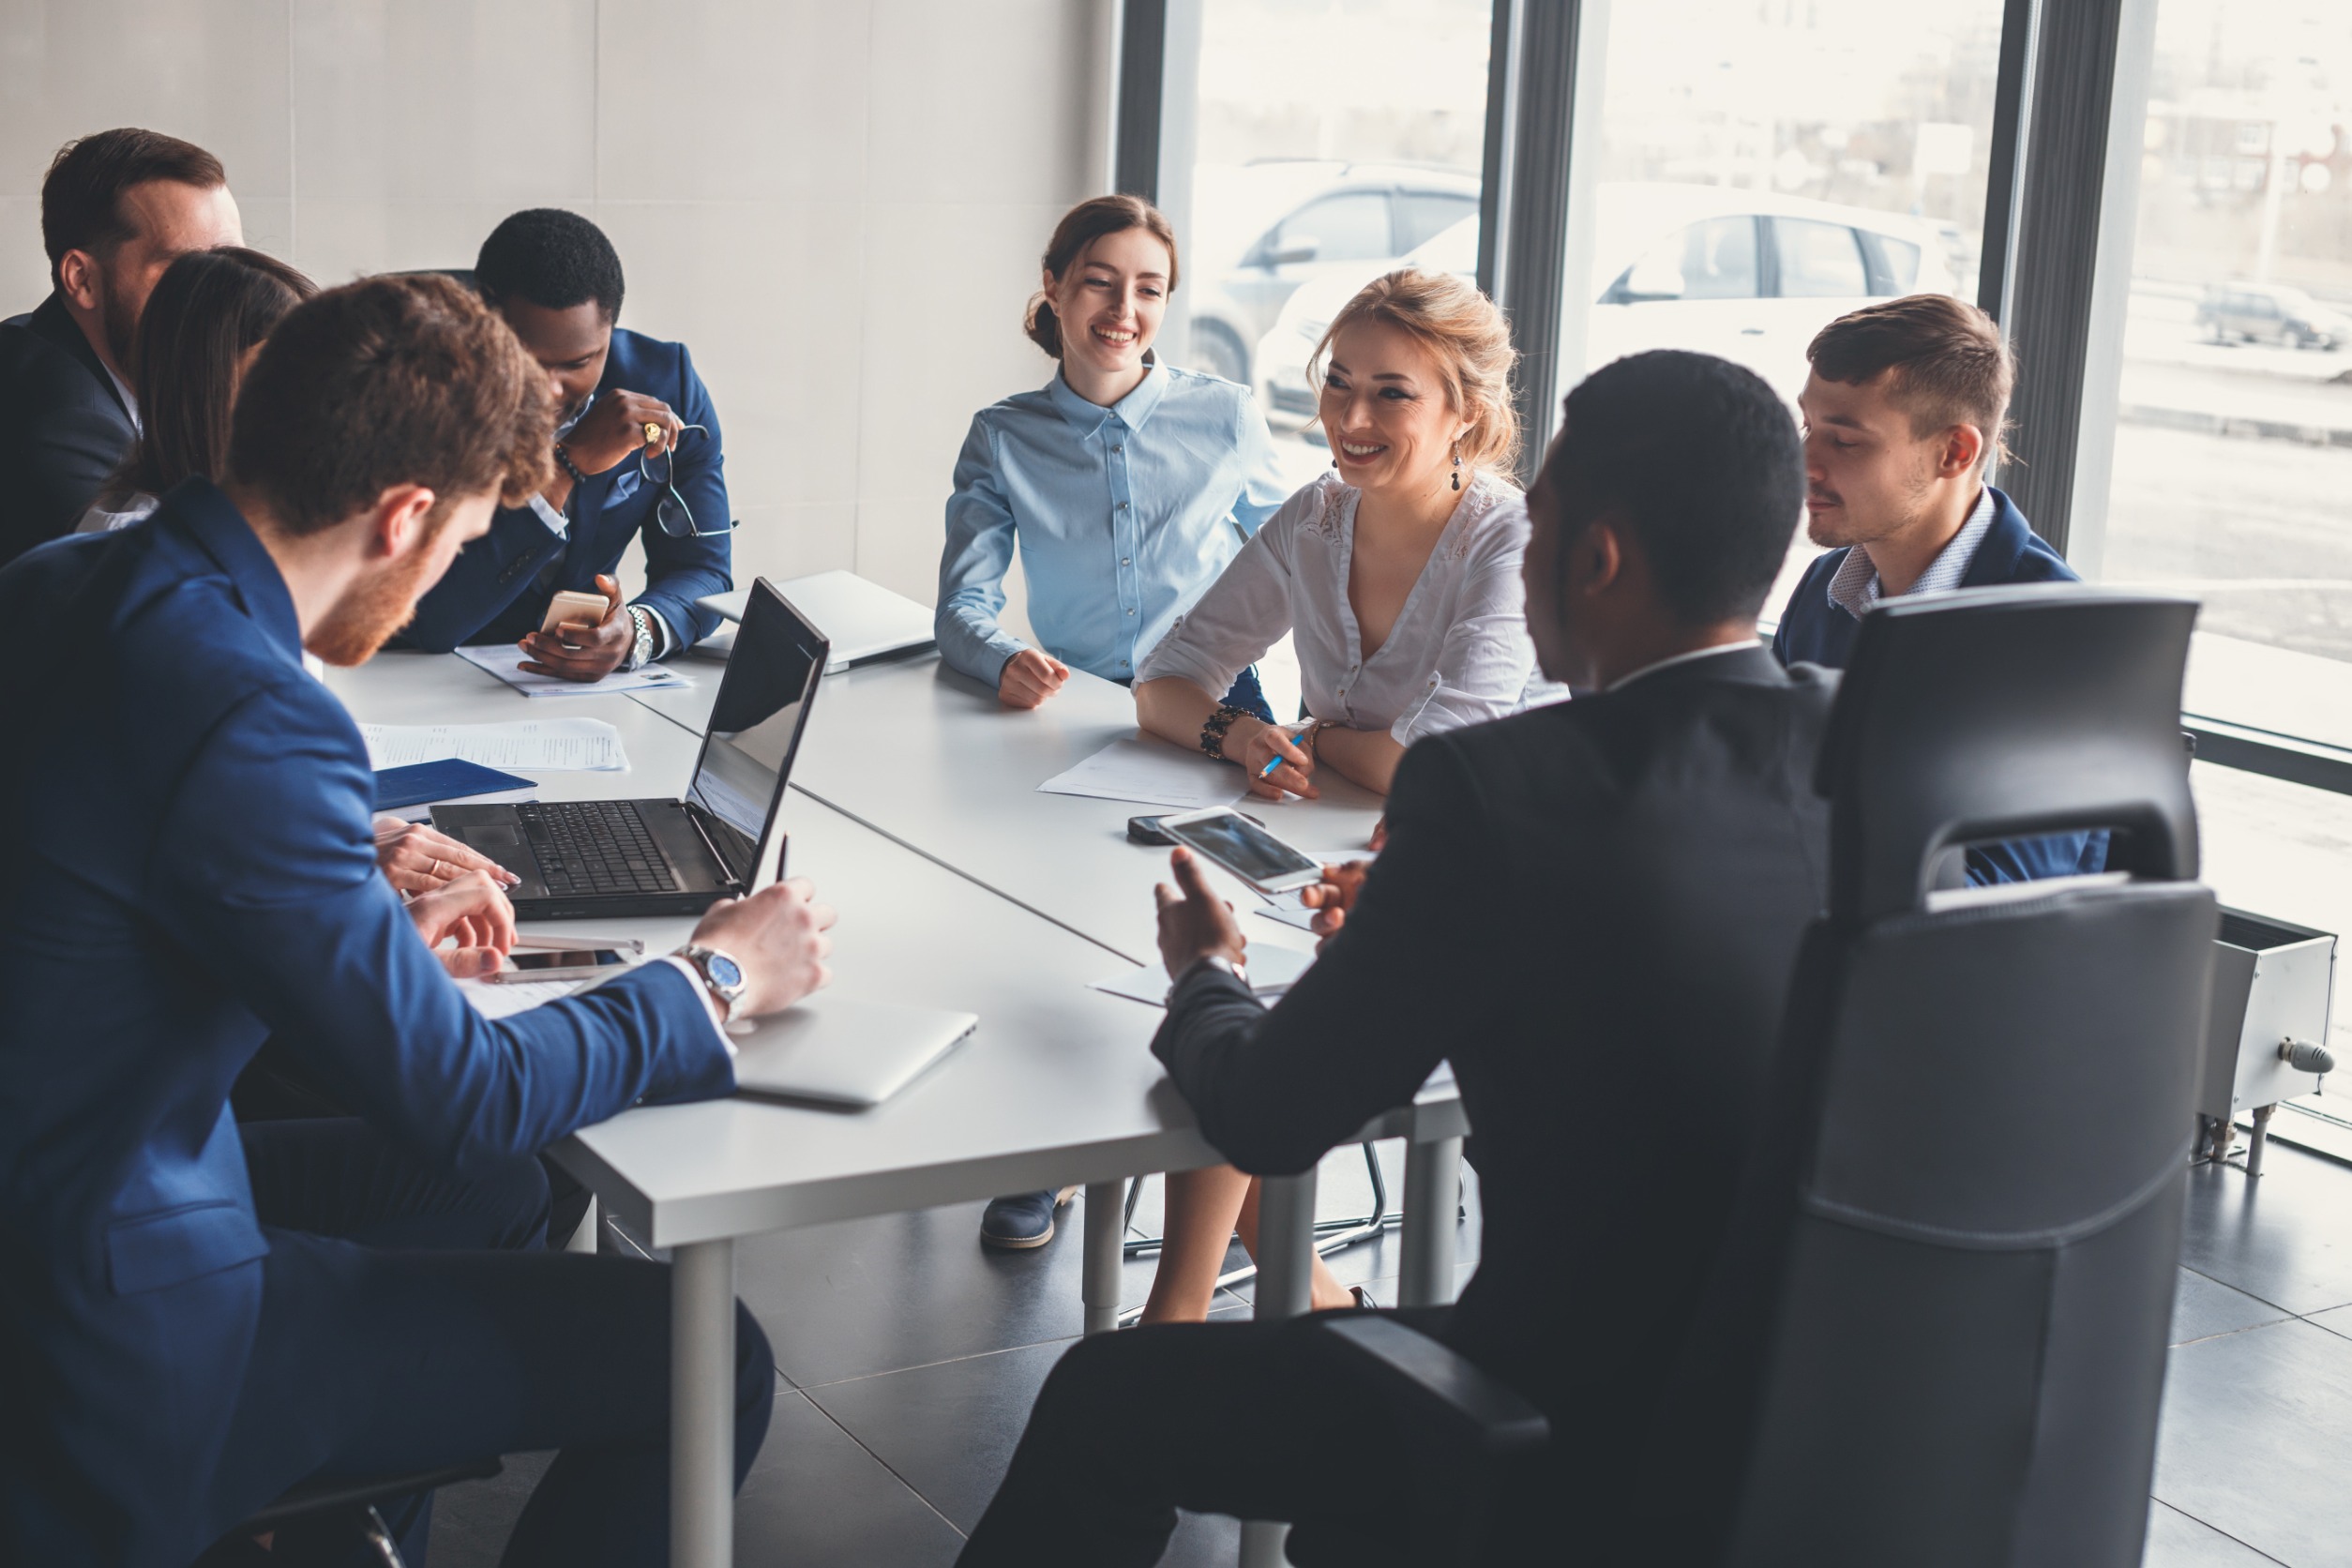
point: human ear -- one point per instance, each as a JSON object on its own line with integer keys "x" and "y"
{"x": 78, "y": 279}
{"x": 399, "y": 519}
{"x": 1964, "y": 448}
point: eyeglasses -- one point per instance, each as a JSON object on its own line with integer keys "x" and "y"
{"x": 672, "y": 513}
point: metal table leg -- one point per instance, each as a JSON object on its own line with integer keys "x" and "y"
{"x": 1285, "y": 1247}
{"x": 702, "y": 1405}
{"x": 1106, "y": 1226}
{"x": 1433, "y": 1185}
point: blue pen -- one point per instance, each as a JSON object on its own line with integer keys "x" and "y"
{"x": 1273, "y": 762}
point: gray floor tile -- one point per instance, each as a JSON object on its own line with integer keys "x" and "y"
{"x": 2257, "y": 1440}
{"x": 2337, "y": 1320}
{"x": 2284, "y": 1238}
{"x": 879, "y": 1295}
{"x": 817, "y": 1500}
{"x": 2176, "y": 1541}
{"x": 2202, "y": 1308}
{"x": 814, "y": 1500}
{"x": 949, "y": 1429}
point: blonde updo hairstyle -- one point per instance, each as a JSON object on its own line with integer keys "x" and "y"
{"x": 1466, "y": 337}
{"x": 1080, "y": 227}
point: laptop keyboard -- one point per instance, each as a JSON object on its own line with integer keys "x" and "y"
{"x": 593, "y": 846}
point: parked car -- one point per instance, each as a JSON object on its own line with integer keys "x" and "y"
{"x": 1264, "y": 230}
{"x": 2271, "y": 313}
{"x": 1744, "y": 273}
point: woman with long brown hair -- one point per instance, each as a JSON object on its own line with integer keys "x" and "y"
{"x": 207, "y": 318}
{"x": 1127, "y": 485}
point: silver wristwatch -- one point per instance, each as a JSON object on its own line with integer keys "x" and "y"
{"x": 642, "y": 653}
{"x": 721, "y": 976}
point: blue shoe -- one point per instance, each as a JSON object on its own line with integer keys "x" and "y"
{"x": 1022, "y": 1221}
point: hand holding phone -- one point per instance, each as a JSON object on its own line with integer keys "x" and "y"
{"x": 574, "y": 608}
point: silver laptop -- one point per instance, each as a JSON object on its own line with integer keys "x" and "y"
{"x": 845, "y": 1051}
{"x": 864, "y": 622}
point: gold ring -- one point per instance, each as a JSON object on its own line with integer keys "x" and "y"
{"x": 652, "y": 433}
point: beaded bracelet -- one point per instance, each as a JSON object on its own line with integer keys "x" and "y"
{"x": 1213, "y": 732}
{"x": 569, "y": 467}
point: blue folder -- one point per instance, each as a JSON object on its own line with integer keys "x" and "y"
{"x": 447, "y": 780}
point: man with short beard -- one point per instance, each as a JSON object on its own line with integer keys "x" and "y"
{"x": 117, "y": 209}
{"x": 197, "y": 1316}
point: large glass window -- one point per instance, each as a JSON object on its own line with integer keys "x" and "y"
{"x": 1333, "y": 140}
{"x": 1768, "y": 165}
{"x": 2233, "y": 448}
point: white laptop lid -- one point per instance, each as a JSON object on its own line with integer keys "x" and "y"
{"x": 861, "y": 620}
{"x": 845, "y": 1051}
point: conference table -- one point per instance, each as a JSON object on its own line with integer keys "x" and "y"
{"x": 915, "y": 808}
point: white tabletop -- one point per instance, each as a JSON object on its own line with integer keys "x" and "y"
{"x": 1056, "y": 1086}
{"x": 935, "y": 761}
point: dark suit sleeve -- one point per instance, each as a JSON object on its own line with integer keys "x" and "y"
{"x": 489, "y": 574}
{"x": 72, "y": 437}
{"x": 679, "y": 571}
{"x": 266, "y": 874}
{"x": 1412, "y": 975}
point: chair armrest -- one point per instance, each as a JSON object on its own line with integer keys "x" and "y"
{"x": 1436, "y": 1387}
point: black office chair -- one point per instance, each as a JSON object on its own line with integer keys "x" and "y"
{"x": 344, "y": 1512}
{"x": 1911, "y": 1350}
{"x": 1937, "y": 1335}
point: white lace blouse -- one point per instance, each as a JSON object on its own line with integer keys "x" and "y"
{"x": 1457, "y": 654}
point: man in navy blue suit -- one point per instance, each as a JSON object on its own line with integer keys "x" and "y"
{"x": 636, "y": 454}
{"x": 1902, "y": 415}
{"x": 194, "y": 1318}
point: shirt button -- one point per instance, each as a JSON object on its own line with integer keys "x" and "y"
{"x": 1124, "y": 562}
{"x": 1123, "y": 505}
{"x": 1119, "y": 448}
{"x": 1131, "y": 610}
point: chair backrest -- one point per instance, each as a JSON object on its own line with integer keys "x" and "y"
{"x": 1937, "y": 1332}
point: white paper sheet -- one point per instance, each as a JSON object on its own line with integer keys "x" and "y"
{"x": 506, "y": 999}
{"x": 505, "y": 660}
{"x": 1151, "y": 772}
{"x": 587, "y": 745}
{"x": 1272, "y": 971}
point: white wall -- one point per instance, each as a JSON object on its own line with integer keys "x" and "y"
{"x": 837, "y": 204}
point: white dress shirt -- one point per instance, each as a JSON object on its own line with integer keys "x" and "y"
{"x": 1854, "y": 587}
{"x": 1457, "y": 654}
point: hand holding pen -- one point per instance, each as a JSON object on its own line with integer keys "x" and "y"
{"x": 1287, "y": 765}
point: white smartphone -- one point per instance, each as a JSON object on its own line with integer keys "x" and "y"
{"x": 584, "y": 963}
{"x": 1243, "y": 848}
{"x": 575, "y": 609}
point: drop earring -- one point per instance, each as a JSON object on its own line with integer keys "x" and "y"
{"x": 1457, "y": 465}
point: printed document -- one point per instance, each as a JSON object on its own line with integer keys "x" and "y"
{"x": 505, "y": 660}
{"x": 563, "y": 745}
{"x": 1151, "y": 772}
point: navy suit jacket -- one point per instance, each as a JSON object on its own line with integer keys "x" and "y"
{"x": 1813, "y": 630}
{"x": 64, "y": 427}
{"x": 492, "y": 592}
{"x": 185, "y": 868}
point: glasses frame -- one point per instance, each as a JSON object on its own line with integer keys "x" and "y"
{"x": 670, "y": 491}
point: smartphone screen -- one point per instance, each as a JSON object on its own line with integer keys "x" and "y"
{"x": 1241, "y": 846}
{"x": 532, "y": 961}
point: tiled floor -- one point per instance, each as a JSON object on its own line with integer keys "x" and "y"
{"x": 909, "y": 1355}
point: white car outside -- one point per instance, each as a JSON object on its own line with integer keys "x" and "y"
{"x": 1743, "y": 274}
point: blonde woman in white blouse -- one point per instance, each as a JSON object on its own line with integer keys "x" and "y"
{"x": 1397, "y": 575}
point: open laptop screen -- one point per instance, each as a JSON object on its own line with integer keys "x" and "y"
{"x": 755, "y": 726}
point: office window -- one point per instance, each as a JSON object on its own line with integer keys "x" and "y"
{"x": 1333, "y": 140}
{"x": 1766, "y": 166}
{"x": 2233, "y": 448}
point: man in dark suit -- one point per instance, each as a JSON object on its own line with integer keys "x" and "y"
{"x": 185, "y": 867}
{"x": 1583, "y": 907}
{"x": 638, "y": 456}
{"x": 116, "y": 209}
{"x": 1903, "y": 410}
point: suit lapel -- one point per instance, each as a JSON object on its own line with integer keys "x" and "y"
{"x": 54, "y": 322}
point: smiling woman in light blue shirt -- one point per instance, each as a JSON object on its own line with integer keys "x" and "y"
{"x": 1126, "y": 485}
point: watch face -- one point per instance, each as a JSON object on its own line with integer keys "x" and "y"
{"x": 724, "y": 971}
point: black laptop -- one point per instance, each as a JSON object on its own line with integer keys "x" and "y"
{"x": 622, "y": 857}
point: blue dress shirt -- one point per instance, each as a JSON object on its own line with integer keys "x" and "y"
{"x": 1124, "y": 516}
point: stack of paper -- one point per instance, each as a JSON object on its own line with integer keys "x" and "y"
{"x": 505, "y": 998}
{"x": 505, "y": 660}
{"x": 1153, "y": 773}
{"x": 586, "y": 745}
